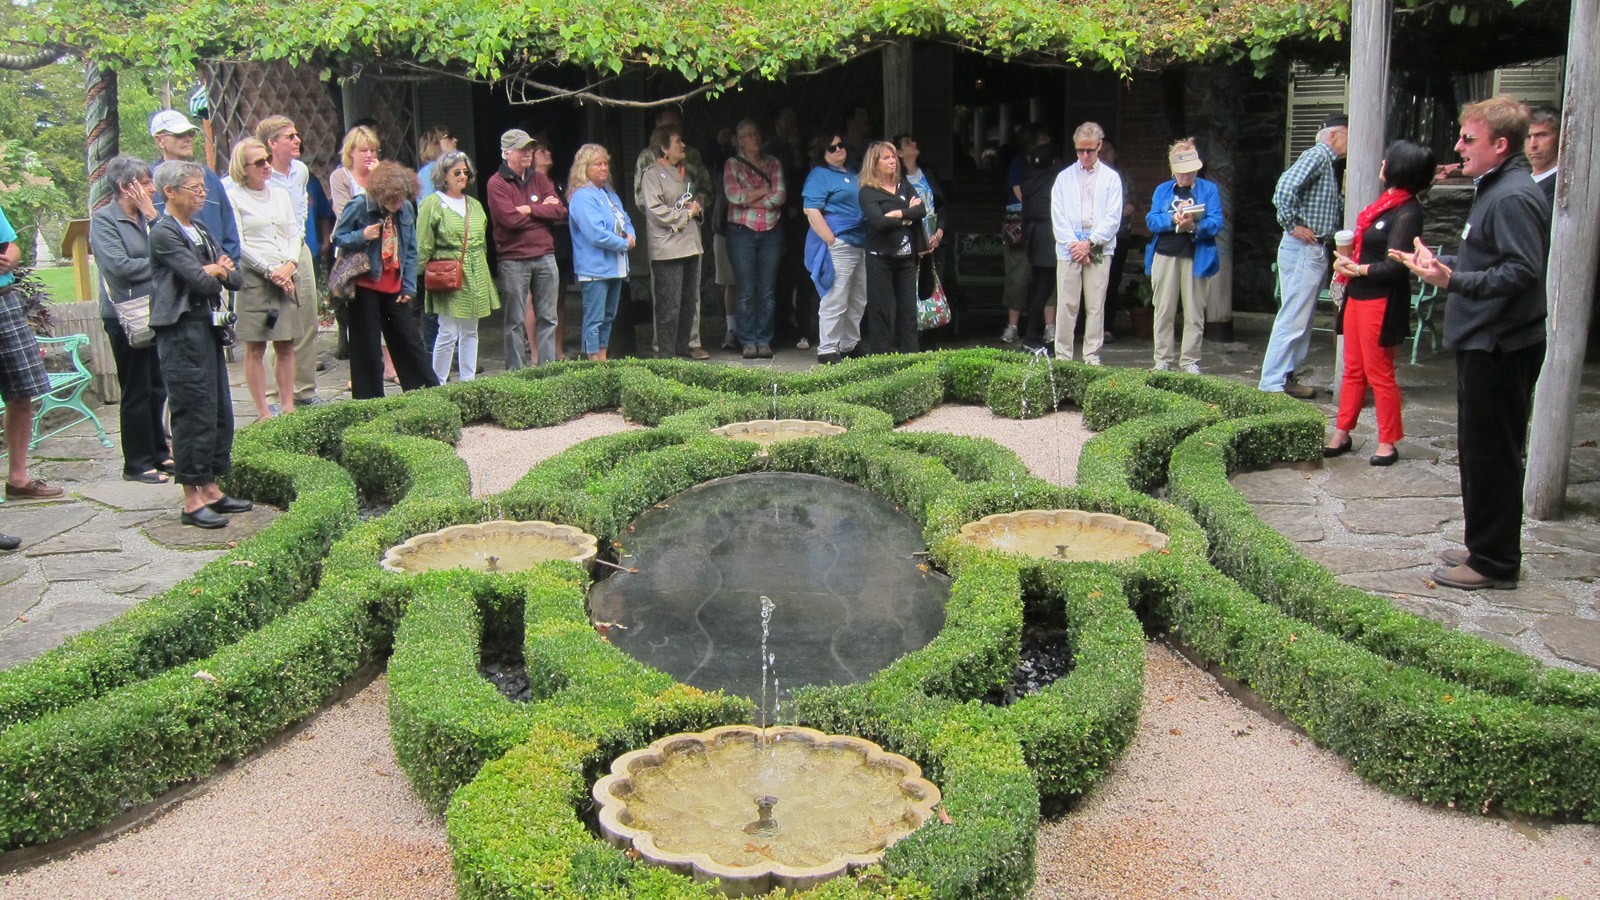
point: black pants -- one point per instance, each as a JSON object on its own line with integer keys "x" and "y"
{"x": 676, "y": 283}
{"x": 144, "y": 401}
{"x": 1494, "y": 398}
{"x": 892, "y": 303}
{"x": 1119, "y": 258}
{"x": 196, "y": 375}
{"x": 1041, "y": 288}
{"x": 377, "y": 319}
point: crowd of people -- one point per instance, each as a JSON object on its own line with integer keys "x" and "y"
{"x": 838, "y": 236}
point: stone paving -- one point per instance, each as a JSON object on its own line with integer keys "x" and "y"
{"x": 114, "y": 543}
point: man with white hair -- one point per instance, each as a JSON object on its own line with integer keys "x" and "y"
{"x": 1310, "y": 208}
{"x": 174, "y": 137}
{"x": 1085, "y": 214}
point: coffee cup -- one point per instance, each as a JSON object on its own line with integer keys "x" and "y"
{"x": 1344, "y": 241}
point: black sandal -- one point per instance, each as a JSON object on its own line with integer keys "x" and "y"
{"x": 167, "y": 466}
{"x": 154, "y": 476}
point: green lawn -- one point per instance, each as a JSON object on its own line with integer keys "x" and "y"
{"x": 59, "y": 282}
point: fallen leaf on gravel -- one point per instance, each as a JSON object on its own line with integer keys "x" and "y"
{"x": 306, "y": 736}
{"x": 1430, "y": 584}
{"x": 661, "y": 505}
{"x": 231, "y": 544}
{"x": 1294, "y": 742}
{"x": 924, "y": 567}
{"x": 1168, "y": 698}
{"x": 632, "y": 529}
{"x": 379, "y": 771}
{"x": 1174, "y": 731}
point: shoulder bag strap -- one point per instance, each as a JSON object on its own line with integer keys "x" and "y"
{"x": 466, "y": 229}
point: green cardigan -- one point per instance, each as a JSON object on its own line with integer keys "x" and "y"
{"x": 439, "y": 237}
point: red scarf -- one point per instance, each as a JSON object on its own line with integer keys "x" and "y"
{"x": 1386, "y": 201}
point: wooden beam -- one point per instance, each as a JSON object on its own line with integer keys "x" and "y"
{"x": 1570, "y": 277}
{"x": 1370, "y": 22}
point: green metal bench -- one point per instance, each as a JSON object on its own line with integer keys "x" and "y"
{"x": 66, "y": 389}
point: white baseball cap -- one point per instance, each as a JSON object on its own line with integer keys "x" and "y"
{"x": 172, "y": 122}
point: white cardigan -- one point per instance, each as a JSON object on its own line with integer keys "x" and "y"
{"x": 269, "y": 233}
{"x": 1066, "y": 208}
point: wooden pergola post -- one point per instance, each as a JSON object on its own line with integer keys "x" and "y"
{"x": 1570, "y": 277}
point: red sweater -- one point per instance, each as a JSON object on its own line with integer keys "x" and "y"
{"x": 518, "y": 236}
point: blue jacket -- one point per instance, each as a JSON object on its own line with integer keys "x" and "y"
{"x": 1206, "y": 261}
{"x": 348, "y": 238}
{"x": 598, "y": 251}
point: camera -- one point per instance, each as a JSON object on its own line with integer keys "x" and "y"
{"x": 272, "y": 319}
{"x": 222, "y": 318}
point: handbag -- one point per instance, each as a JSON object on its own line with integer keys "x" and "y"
{"x": 933, "y": 311}
{"x": 346, "y": 269}
{"x": 1011, "y": 228}
{"x": 441, "y": 276}
{"x": 133, "y": 314}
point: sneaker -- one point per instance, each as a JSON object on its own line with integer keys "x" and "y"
{"x": 1009, "y": 336}
{"x": 1192, "y": 368}
{"x": 749, "y": 351}
{"x": 1161, "y": 367}
{"x": 730, "y": 341}
{"x": 764, "y": 351}
{"x": 1049, "y": 334}
{"x": 827, "y": 359}
{"x": 1092, "y": 360}
{"x": 802, "y": 344}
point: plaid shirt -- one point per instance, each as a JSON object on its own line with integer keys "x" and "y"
{"x": 738, "y": 178}
{"x": 1308, "y": 193}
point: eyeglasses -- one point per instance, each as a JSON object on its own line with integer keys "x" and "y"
{"x": 683, "y": 201}
{"x": 835, "y": 148}
{"x": 259, "y": 163}
{"x": 291, "y": 136}
{"x": 1089, "y": 152}
{"x": 199, "y": 190}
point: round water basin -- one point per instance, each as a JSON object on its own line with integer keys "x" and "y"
{"x": 1064, "y": 534}
{"x": 499, "y": 546}
{"x": 772, "y": 431}
{"x": 850, "y": 593}
{"x": 760, "y": 808}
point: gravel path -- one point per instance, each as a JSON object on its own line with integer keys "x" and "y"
{"x": 1211, "y": 800}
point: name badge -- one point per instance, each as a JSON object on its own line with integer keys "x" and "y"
{"x": 1466, "y": 230}
{"x": 1380, "y": 226}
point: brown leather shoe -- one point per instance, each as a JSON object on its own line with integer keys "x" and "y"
{"x": 698, "y": 353}
{"x": 1465, "y": 578}
{"x": 1300, "y": 391}
{"x": 33, "y": 490}
{"x": 1455, "y": 556}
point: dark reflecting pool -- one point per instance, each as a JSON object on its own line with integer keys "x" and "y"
{"x": 836, "y": 561}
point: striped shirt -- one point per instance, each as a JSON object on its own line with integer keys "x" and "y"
{"x": 1308, "y": 193}
{"x": 738, "y": 178}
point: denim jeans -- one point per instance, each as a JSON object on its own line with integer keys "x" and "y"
{"x": 518, "y": 280}
{"x": 600, "y": 298}
{"x": 1301, "y": 270}
{"x": 755, "y": 266}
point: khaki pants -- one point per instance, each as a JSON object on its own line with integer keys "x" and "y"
{"x": 305, "y": 332}
{"x": 1085, "y": 286}
{"x": 1170, "y": 278}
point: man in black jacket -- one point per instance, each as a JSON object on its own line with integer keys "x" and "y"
{"x": 1495, "y": 323}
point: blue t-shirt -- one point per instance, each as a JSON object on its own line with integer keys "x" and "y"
{"x": 7, "y": 234}
{"x": 836, "y": 193}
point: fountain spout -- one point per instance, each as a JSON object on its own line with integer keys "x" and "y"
{"x": 764, "y": 825}
{"x": 494, "y": 563}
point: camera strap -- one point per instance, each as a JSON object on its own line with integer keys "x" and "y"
{"x": 217, "y": 303}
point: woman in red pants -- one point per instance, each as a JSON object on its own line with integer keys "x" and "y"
{"x": 1377, "y": 305}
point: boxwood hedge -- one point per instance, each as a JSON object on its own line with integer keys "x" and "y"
{"x": 119, "y": 715}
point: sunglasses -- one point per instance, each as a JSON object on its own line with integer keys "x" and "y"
{"x": 835, "y": 148}
{"x": 259, "y": 163}
{"x": 683, "y": 201}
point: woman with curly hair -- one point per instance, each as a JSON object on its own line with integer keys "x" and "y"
{"x": 382, "y": 224}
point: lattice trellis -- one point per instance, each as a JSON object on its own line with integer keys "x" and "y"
{"x": 392, "y": 106}
{"x": 243, "y": 94}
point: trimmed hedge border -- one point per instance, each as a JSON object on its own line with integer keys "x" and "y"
{"x": 1422, "y": 710}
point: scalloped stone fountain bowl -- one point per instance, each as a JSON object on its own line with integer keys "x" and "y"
{"x": 499, "y": 546}
{"x": 783, "y": 807}
{"x": 772, "y": 431}
{"x": 1064, "y": 534}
